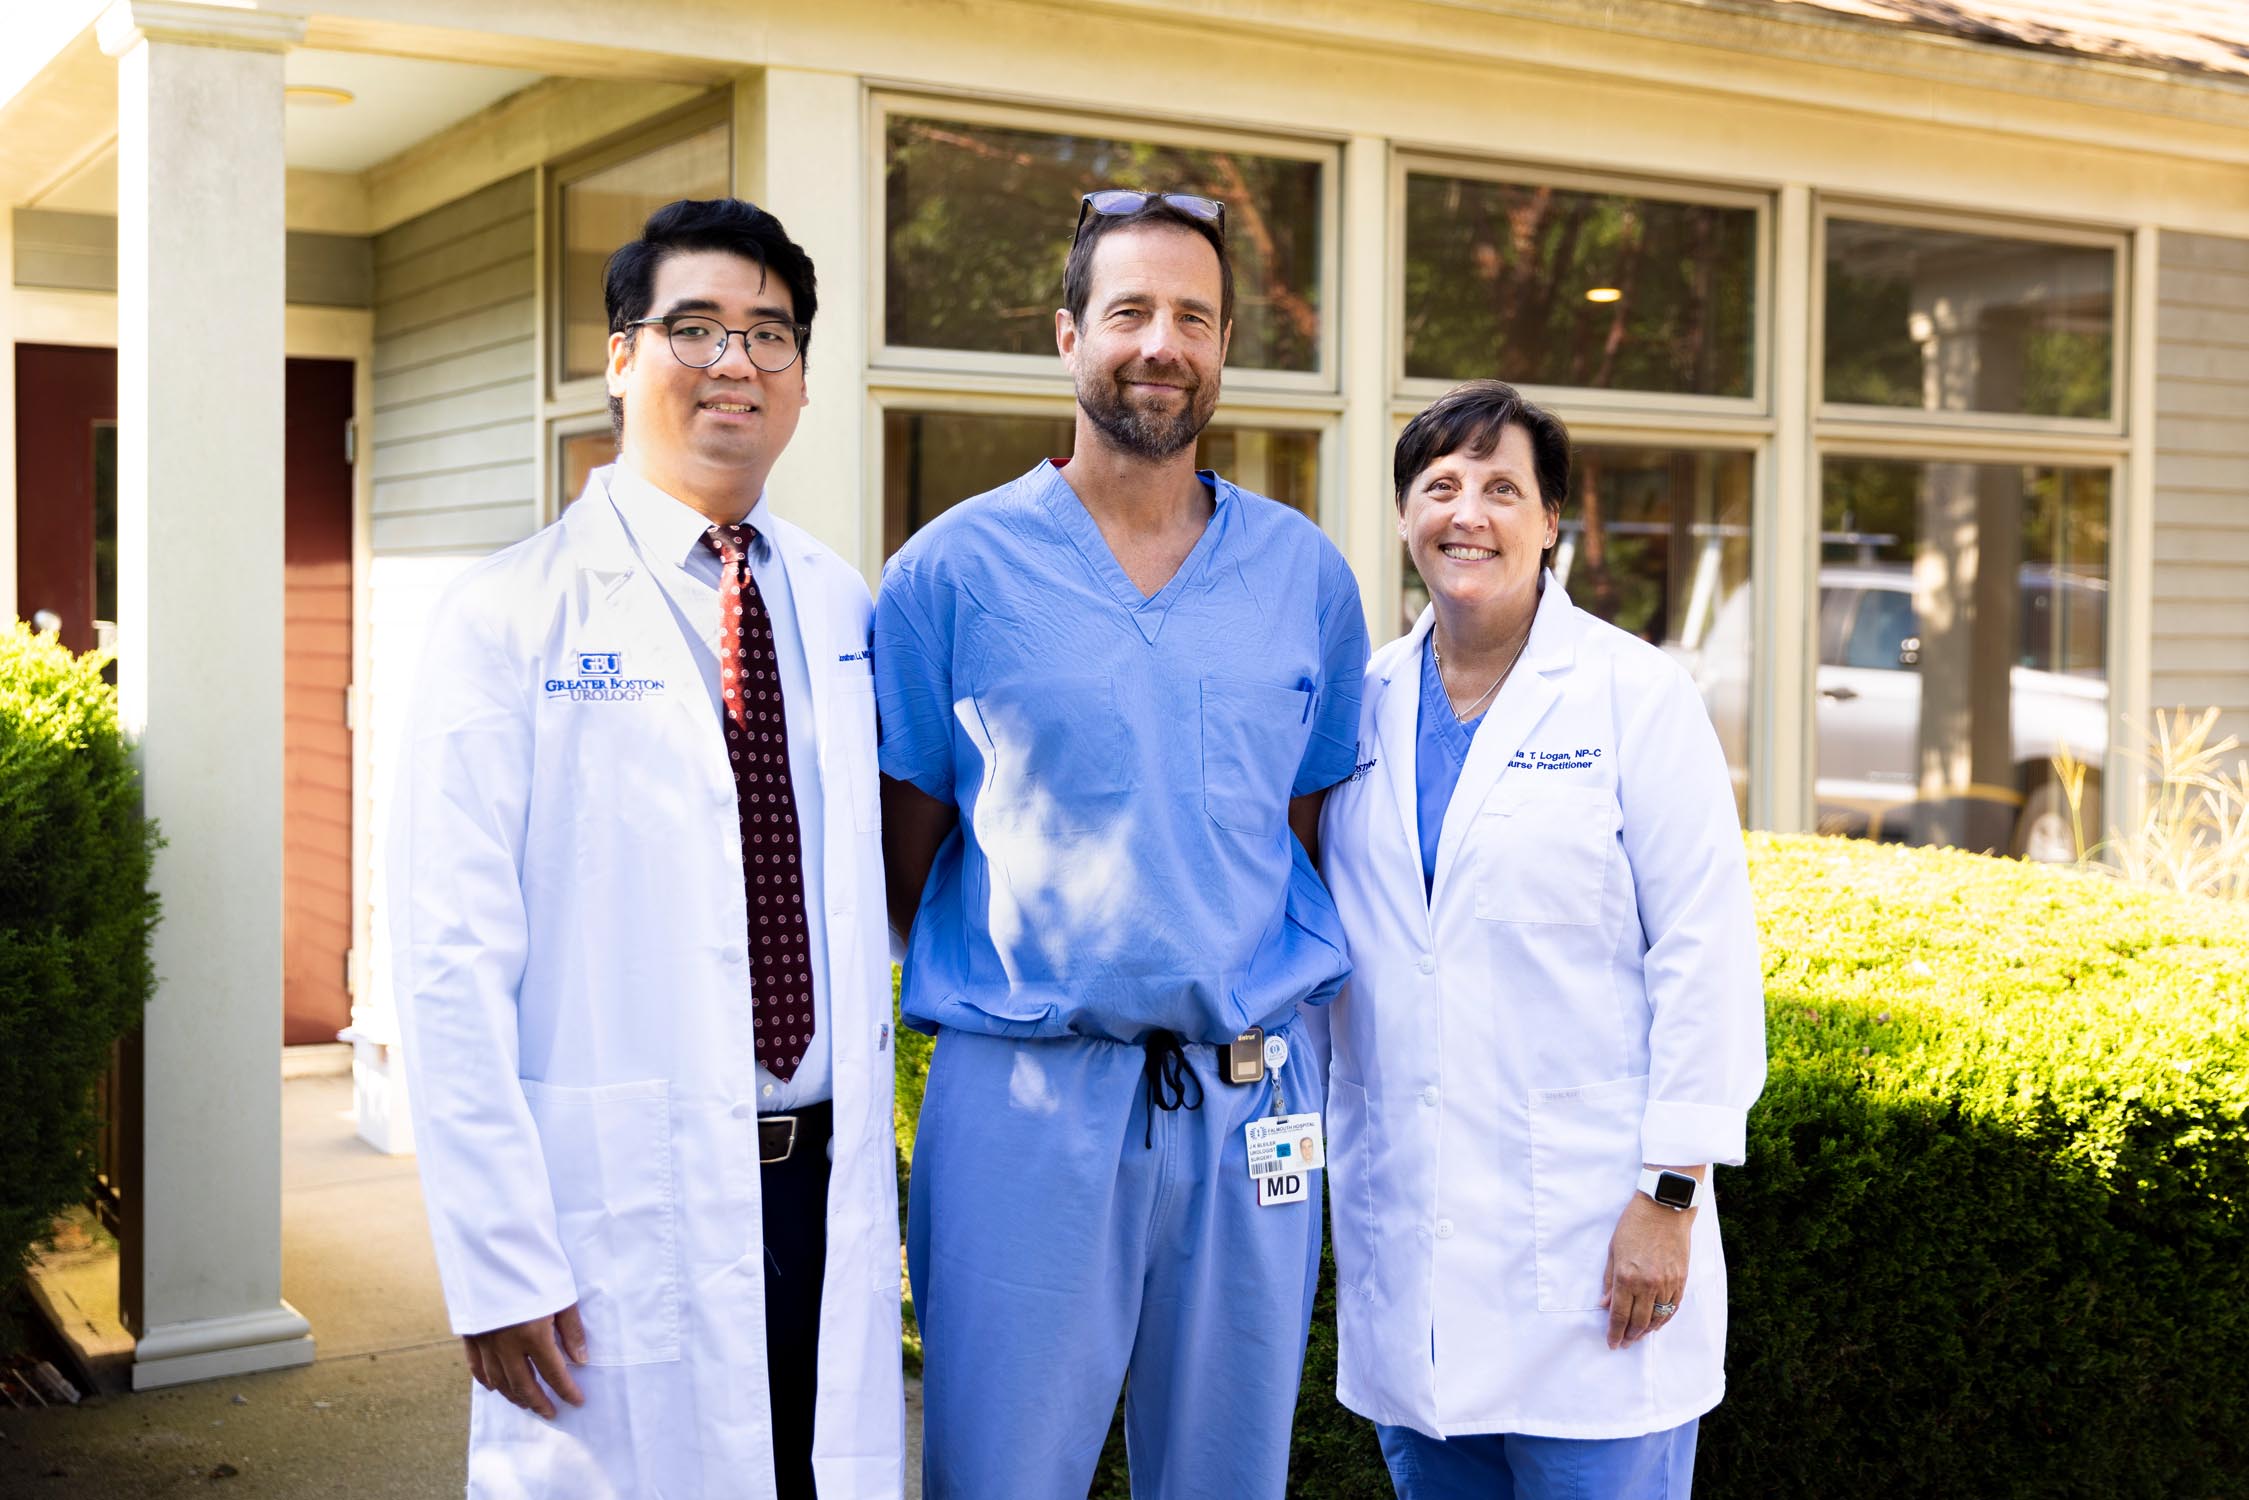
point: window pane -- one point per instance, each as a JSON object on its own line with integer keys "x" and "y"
{"x": 978, "y": 226}
{"x": 1656, "y": 541}
{"x": 577, "y": 455}
{"x": 1938, "y": 321}
{"x": 934, "y": 459}
{"x": 604, "y": 209}
{"x": 1978, "y": 650}
{"x": 1547, "y": 286}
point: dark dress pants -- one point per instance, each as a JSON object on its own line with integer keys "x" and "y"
{"x": 796, "y": 1250}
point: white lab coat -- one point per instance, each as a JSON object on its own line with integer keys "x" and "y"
{"x": 574, "y": 984}
{"x": 1583, "y": 993}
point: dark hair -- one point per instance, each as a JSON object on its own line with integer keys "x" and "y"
{"x": 735, "y": 225}
{"x": 1077, "y": 271}
{"x": 1474, "y": 417}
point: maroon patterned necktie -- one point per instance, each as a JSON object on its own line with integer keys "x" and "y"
{"x": 757, "y": 743}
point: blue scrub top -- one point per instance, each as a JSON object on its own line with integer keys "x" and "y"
{"x": 1122, "y": 765}
{"x": 1440, "y": 749}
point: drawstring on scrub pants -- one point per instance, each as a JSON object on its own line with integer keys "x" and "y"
{"x": 1169, "y": 1077}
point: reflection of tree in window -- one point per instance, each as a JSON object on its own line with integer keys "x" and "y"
{"x": 1941, "y": 321}
{"x": 1497, "y": 277}
{"x": 978, "y": 224}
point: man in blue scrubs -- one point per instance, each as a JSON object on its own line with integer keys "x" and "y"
{"x": 1113, "y": 694}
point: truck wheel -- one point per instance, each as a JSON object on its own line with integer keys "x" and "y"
{"x": 2043, "y": 833}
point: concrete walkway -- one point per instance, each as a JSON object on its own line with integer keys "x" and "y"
{"x": 382, "y": 1414}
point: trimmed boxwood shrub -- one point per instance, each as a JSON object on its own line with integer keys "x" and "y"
{"x": 1993, "y": 1236}
{"x": 75, "y": 917}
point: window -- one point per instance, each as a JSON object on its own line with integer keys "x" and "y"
{"x": 932, "y": 460}
{"x": 978, "y": 205}
{"x": 1547, "y": 285}
{"x": 1948, "y": 320}
{"x": 602, "y": 201}
{"x": 1977, "y": 602}
{"x": 577, "y": 455}
{"x": 977, "y": 225}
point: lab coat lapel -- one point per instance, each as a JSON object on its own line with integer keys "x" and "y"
{"x": 1530, "y": 691}
{"x": 624, "y": 598}
{"x": 1397, "y": 718}
{"x": 809, "y": 589}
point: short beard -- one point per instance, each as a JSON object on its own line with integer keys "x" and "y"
{"x": 1144, "y": 434}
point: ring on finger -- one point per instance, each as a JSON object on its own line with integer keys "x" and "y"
{"x": 1665, "y": 1309}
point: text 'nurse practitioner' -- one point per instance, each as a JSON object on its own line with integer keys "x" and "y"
{"x": 1555, "y": 1022}
{"x": 1109, "y": 690}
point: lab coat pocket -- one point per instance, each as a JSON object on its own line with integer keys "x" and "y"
{"x": 1585, "y": 1165}
{"x": 609, "y": 1167}
{"x": 1253, "y": 740}
{"x": 848, "y": 743}
{"x": 1543, "y": 854}
{"x": 1350, "y": 1176}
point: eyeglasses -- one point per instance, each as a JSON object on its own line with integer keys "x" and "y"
{"x": 1117, "y": 202}
{"x": 699, "y": 340}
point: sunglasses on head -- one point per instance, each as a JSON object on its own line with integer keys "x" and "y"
{"x": 1117, "y": 202}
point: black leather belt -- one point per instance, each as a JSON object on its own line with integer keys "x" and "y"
{"x": 780, "y": 1137}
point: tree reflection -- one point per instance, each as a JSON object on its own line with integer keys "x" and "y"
{"x": 1549, "y": 286}
{"x": 978, "y": 227}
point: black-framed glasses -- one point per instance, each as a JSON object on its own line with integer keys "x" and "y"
{"x": 699, "y": 340}
{"x": 1116, "y": 202}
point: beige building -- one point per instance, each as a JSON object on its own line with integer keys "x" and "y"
{"x": 1907, "y": 347}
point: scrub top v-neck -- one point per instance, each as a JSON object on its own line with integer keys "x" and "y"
{"x": 1122, "y": 764}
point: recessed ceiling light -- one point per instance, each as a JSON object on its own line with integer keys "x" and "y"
{"x": 1604, "y": 294}
{"x": 317, "y": 96}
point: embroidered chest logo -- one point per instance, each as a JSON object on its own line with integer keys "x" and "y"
{"x": 1359, "y": 771}
{"x": 599, "y": 677}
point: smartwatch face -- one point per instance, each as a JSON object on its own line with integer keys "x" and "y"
{"x": 1675, "y": 1190}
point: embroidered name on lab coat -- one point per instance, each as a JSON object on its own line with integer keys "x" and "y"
{"x": 1553, "y": 760}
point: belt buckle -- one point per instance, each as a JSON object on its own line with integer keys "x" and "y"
{"x": 770, "y": 1126}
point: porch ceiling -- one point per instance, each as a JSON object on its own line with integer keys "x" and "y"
{"x": 65, "y": 156}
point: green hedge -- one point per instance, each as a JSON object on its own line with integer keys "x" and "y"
{"x": 75, "y": 916}
{"x": 1993, "y": 1239}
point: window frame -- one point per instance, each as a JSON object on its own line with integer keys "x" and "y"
{"x": 572, "y": 394}
{"x": 887, "y": 361}
{"x": 1851, "y": 416}
{"x": 1750, "y": 413}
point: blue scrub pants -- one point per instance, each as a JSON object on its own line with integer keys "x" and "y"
{"x": 1055, "y": 1259}
{"x": 1510, "y": 1466}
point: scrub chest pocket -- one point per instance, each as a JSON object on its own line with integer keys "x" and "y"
{"x": 609, "y": 1167}
{"x": 1253, "y": 740}
{"x": 1544, "y": 854}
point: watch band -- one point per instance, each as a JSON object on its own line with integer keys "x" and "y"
{"x": 1673, "y": 1190}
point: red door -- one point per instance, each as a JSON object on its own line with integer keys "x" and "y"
{"x": 316, "y": 740}
{"x": 66, "y": 541}
{"x": 66, "y": 447}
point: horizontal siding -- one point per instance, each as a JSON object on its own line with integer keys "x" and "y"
{"x": 456, "y": 424}
{"x": 2200, "y": 651}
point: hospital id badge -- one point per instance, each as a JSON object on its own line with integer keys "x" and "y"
{"x": 1284, "y": 1151}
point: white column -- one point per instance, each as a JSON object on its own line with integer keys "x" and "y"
{"x": 199, "y": 500}
{"x": 1366, "y": 524}
{"x": 799, "y": 154}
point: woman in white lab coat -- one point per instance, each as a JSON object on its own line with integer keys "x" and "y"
{"x": 1554, "y": 1024}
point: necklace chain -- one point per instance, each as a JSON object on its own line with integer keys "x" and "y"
{"x": 1463, "y": 715}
